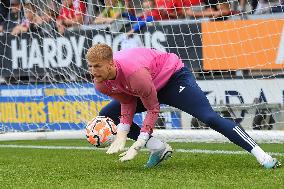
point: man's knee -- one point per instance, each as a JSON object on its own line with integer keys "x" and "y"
{"x": 104, "y": 112}
{"x": 112, "y": 111}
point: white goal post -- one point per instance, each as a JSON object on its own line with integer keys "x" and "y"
{"x": 46, "y": 91}
{"x": 168, "y": 135}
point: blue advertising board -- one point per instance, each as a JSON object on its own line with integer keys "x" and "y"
{"x": 67, "y": 106}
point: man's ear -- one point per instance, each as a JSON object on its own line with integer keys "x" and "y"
{"x": 111, "y": 64}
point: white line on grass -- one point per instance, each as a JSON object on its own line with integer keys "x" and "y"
{"x": 199, "y": 151}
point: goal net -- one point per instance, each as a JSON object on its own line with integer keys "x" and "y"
{"x": 234, "y": 48}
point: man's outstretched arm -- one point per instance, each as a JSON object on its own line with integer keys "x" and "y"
{"x": 142, "y": 85}
{"x": 128, "y": 108}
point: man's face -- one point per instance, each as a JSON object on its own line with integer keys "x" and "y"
{"x": 110, "y": 3}
{"x": 69, "y": 2}
{"x": 147, "y": 4}
{"x": 29, "y": 14}
{"x": 100, "y": 70}
{"x": 15, "y": 7}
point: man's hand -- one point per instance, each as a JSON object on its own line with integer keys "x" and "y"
{"x": 135, "y": 148}
{"x": 120, "y": 139}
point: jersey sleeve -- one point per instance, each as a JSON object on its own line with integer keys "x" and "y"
{"x": 61, "y": 14}
{"x": 142, "y": 85}
{"x": 80, "y": 9}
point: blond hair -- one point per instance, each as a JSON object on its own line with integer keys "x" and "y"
{"x": 99, "y": 52}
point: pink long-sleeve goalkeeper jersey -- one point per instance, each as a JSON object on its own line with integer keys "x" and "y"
{"x": 140, "y": 73}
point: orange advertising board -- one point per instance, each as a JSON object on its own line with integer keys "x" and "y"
{"x": 248, "y": 44}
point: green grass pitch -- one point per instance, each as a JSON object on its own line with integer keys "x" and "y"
{"x": 78, "y": 168}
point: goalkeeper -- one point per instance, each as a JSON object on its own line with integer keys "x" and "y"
{"x": 140, "y": 79}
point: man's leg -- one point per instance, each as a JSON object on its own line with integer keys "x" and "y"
{"x": 112, "y": 110}
{"x": 182, "y": 92}
{"x": 159, "y": 150}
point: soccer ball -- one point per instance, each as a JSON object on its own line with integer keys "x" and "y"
{"x": 100, "y": 131}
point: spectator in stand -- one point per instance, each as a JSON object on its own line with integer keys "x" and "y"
{"x": 218, "y": 10}
{"x": 189, "y": 3}
{"x": 4, "y": 11}
{"x": 48, "y": 16}
{"x": 150, "y": 13}
{"x": 30, "y": 22}
{"x": 153, "y": 10}
{"x": 14, "y": 16}
{"x": 113, "y": 10}
{"x": 170, "y": 9}
{"x": 71, "y": 15}
{"x": 98, "y": 6}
